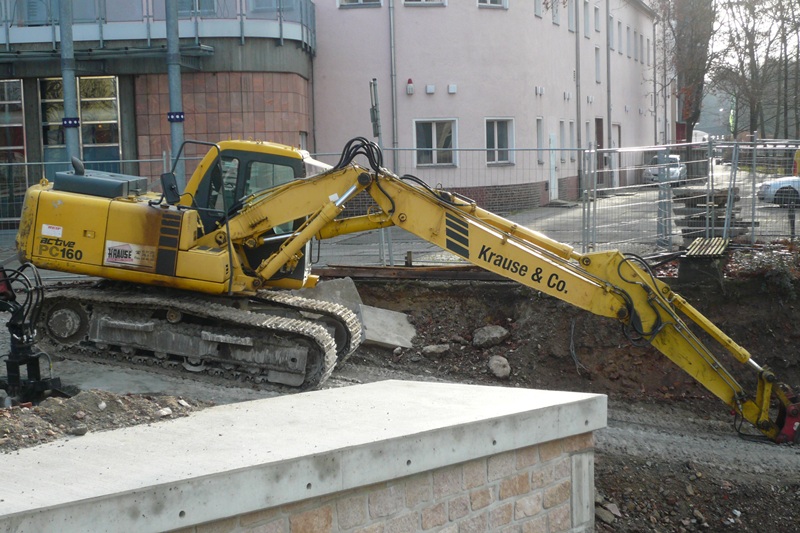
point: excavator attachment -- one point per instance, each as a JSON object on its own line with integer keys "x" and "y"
{"x": 21, "y": 295}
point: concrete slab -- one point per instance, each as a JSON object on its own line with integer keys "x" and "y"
{"x": 382, "y": 327}
{"x": 275, "y": 451}
{"x": 341, "y": 291}
{"x": 389, "y": 329}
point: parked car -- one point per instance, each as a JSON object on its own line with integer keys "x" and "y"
{"x": 674, "y": 170}
{"x": 783, "y": 191}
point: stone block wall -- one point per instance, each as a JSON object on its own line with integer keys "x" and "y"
{"x": 544, "y": 488}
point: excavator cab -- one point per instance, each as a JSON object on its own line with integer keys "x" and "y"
{"x": 238, "y": 176}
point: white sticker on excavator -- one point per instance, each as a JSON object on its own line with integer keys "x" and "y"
{"x": 131, "y": 255}
{"x": 48, "y": 230}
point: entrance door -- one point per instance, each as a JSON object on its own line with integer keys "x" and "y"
{"x": 598, "y": 139}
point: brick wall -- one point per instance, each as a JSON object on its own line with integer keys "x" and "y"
{"x": 270, "y": 106}
{"x": 503, "y": 199}
{"x": 498, "y": 199}
{"x": 537, "y": 489}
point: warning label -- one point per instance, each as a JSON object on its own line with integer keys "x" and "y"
{"x": 128, "y": 254}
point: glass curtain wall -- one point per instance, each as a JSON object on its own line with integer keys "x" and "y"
{"x": 98, "y": 111}
{"x": 13, "y": 173}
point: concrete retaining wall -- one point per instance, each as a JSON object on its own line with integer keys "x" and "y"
{"x": 383, "y": 457}
{"x": 545, "y": 488}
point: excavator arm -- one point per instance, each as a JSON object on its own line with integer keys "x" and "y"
{"x": 609, "y": 284}
{"x": 245, "y": 222}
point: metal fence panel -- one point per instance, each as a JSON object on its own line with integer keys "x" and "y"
{"x": 593, "y": 200}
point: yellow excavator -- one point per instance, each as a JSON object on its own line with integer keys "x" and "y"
{"x": 189, "y": 278}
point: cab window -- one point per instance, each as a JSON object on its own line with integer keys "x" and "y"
{"x": 263, "y": 176}
{"x": 217, "y": 191}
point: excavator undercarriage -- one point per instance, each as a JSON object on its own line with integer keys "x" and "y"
{"x": 270, "y": 338}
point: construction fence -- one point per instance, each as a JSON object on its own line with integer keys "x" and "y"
{"x": 644, "y": 200}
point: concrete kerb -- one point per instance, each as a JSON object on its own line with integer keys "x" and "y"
{"x": 235, "y": 459}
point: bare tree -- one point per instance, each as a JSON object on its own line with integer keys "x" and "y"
{"x": 694, "y": 28}
{"x": 788, "y": 20}
{"x": 747, "y": 65}
{"x": 689, "y": 27}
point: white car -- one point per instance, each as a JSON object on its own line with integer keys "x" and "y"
{"x": 674, "y": 171}
{"x": 783, "y": 191}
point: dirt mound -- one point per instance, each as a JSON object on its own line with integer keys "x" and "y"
{"x": 554, "y": 345}
{"x": 88, "y": 411}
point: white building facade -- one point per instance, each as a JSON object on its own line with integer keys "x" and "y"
{"x": 489, "y": 92}
{"x": 495, "y": 99}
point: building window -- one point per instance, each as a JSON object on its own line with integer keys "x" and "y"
{"x": 597, "y": 66}
{"x": 499, "y": 141}
{"x": 190, "y": 8}
{"x": 493, "y": 3}
{"x": 269, "y": 8}
{"x": 588, "y": 134}
{"x": 46, "y": 12}
{"x": 635, "y": 45}
{"x": 611, "y": 32}
{"x": 540, "y": 140}
{"x": 562, "y": 140}
{"x": 359, "y": 3}
{"x": 571, "y": 15}
{"x": 537, "y": 8}
{"x": 13, "y": 175}
{"x": 98, "y": 113}
{"x": 435, "y": 141}
{"x": 586, "y": 20}
{"x": 556, "y": 13}
{"x": 572, "y": 140}
{"x": 596, "y": 18}
{"x": 628, "y": 39}
{"x": 12, "y": 131}
{"x": 641, "y": 47}
{"x": 619, "y": 37}
{"x": 426, "y": 2}
{"x": 648, "y": 51}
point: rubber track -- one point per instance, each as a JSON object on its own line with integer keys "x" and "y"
{"x": 342, "y": 314}
{"x": 209, "y": 310}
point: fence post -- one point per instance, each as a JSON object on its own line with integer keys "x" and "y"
{"x": 664, "y": 211}
{"x": 753, "y": 190}
{"x": 584, "y": 220}
{"x": 593, "y": 243}
{"x": 589, "y": 200}
{"x": 731, "y": 191}
{"x": 710, "y": 204}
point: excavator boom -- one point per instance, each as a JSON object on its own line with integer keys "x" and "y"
{"x": 245, "y": 222}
